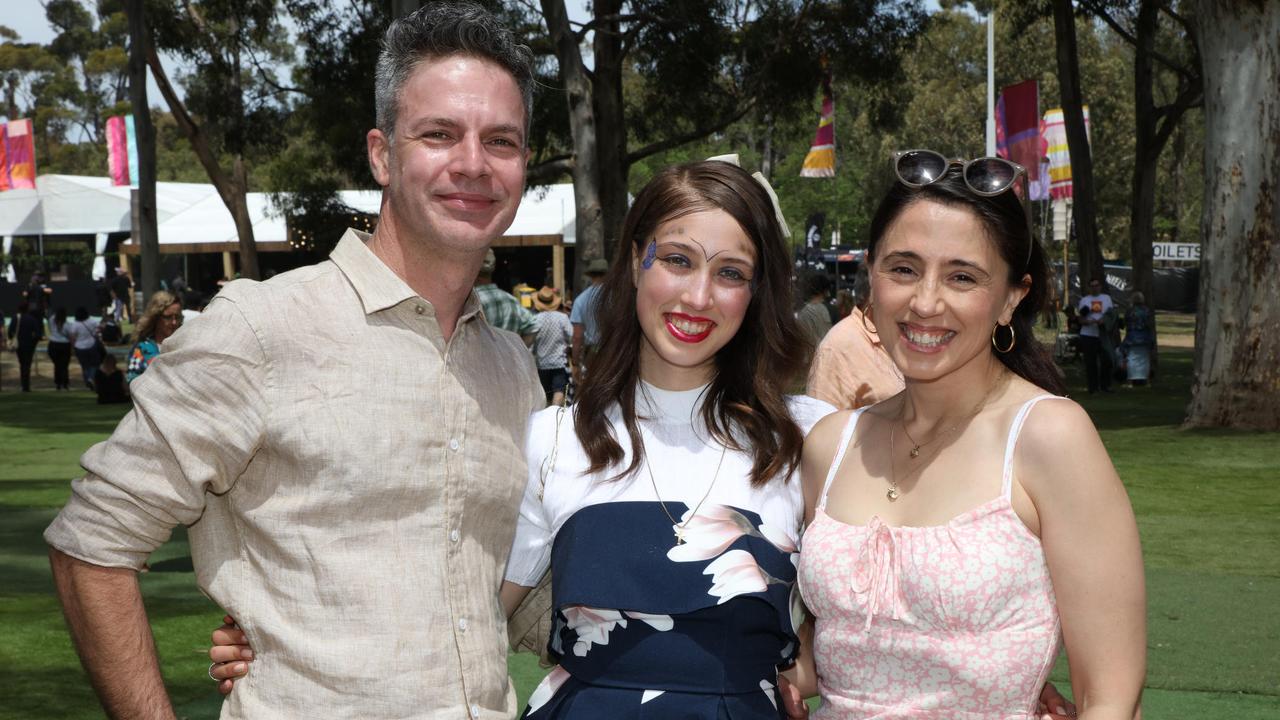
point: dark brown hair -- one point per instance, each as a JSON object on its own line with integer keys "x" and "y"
{"x": 1007, "y": 226}
{"x": 744, "y": 406}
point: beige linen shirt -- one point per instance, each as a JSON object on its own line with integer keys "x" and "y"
{"x": 351, "y": 482}
{"x": 851, "y": 368}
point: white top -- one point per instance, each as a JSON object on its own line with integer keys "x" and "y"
{"x": 680, "y": 453}
{"x": 82, "y": 332}
{"x": 1093, "y": 307}
{"x": 58, "y": 333}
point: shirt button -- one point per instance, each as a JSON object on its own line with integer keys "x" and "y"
{"x": 454, "y": 535}
{"x": 419, "y": 309}
{"x": 475, "y": 710}
{"x": 453, "y": 444}
{"x": 462, "y": 624}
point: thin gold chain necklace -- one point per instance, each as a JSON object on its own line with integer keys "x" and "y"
{"x": 680, "y": 526}
{"x": 914, "y": 453}
{"x": 915, "y": 446}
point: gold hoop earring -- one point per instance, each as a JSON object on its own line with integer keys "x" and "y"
{"x": 866, "y": 314}
{"x": 1013, "y": 338}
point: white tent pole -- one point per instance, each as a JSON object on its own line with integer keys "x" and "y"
{"x": 99, "y": 261}
{"x": 991, "y": 82}
{"x": 9, "y": 273}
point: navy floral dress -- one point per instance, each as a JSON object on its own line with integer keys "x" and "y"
{"x": 643, "y": 626}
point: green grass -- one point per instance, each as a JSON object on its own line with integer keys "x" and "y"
{"x": 1207, "y": 504}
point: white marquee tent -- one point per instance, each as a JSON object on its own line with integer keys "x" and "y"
{"x": 192, "y": 218}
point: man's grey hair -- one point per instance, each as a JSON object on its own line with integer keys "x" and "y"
{"x": 442, "y": 29}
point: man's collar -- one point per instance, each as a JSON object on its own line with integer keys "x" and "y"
{"x": 375, "y": 284}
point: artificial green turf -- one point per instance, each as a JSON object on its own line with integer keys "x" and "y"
{"x": 1206, "y": 502}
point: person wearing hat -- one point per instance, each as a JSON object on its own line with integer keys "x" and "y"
{"x": 551, "y": 345}
{"x": 502, "y": 309}
{"x": 586, "y": 331}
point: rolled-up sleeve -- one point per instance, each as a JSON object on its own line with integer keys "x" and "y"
{"x": 199, "y": 416}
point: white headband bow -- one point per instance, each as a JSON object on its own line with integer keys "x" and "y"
{"x": 732, "y": 159}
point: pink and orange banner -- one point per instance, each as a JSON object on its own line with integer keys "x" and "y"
{"x": 19, "y": 155}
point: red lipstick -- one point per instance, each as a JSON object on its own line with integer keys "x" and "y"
{"x": 683, "y": 336}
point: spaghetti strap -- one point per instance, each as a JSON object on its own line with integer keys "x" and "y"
{"x": 846, "y": 436}
{"x": 1015, "y": 429}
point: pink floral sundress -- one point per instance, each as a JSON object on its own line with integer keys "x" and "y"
{"x": 953, "y": 621}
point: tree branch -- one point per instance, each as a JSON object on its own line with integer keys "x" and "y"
{"x": 549, "y": 169}
{"x": 657, "y": 147}
{"x": 199, "y": 143}
{"x": 1101, "y": 13}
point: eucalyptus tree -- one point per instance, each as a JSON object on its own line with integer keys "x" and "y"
{"x": 1238, "y": 322}
{"x": 232, "y": 107}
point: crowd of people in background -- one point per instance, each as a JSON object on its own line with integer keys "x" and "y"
{"x": 849, "y": 367}
{"x": 96, "y": 336}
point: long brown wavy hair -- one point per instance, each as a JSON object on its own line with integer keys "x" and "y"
{"x": 744, "y": 406}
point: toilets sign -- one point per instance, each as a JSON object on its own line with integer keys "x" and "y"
{"x": 1177, "y": 252}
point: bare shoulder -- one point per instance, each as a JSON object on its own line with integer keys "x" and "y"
{"x": 1057, "y": 429}
{"x": 1059, "y": 451}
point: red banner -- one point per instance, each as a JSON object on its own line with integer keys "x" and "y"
{"x": 1018, "y": 127}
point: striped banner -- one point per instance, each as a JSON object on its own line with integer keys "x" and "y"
{"x": 821, "y": 160}
{"x": 1054, "y": 132}
{"x": 122, "y": 151}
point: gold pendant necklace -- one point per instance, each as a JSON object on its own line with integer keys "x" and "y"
{"x": 679, "y": 527}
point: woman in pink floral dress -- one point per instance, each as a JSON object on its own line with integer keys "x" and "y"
{"x": 960, "y": 531}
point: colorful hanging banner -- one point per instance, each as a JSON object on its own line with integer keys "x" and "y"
{"x": 20, "y": 152}
{"x": 1054, "y": 132}
{"x": 821, "y": 160}
{"x": 117, "y": 150}
{"x": 1018, "y": 131}
{"x": 122, "y": 151}
{"x": 4, "y": 161}
{"x": 131, "y": 138}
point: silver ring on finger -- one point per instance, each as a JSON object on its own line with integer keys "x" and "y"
{"x": 211, "y": 667}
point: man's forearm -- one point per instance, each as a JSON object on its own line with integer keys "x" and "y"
{"x": 108, "y": 624}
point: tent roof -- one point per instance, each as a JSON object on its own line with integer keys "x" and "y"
{"x": 193, "y": 213}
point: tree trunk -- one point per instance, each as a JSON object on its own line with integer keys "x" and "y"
{"x": 611, "y": 123}
{"x": 766, "y": 150}
{"x": 144, "y": 205}
{"x": 238, "y": 204}
{"x": 1237, "y": 363}
{"x": 588, "y": 230}
{"x": 1142, "y": 209}
{"x": 231, "y": 189}
{"x": 1084, "y": 211}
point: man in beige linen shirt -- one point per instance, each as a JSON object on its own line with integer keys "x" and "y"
{"x": 345, "y": 440}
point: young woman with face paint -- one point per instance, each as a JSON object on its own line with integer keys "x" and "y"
{"x": 663, "y": 501}
{"x": 960, "y": 531}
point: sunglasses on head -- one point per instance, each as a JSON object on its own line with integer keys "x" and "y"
{"x": 985, "y": 176}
